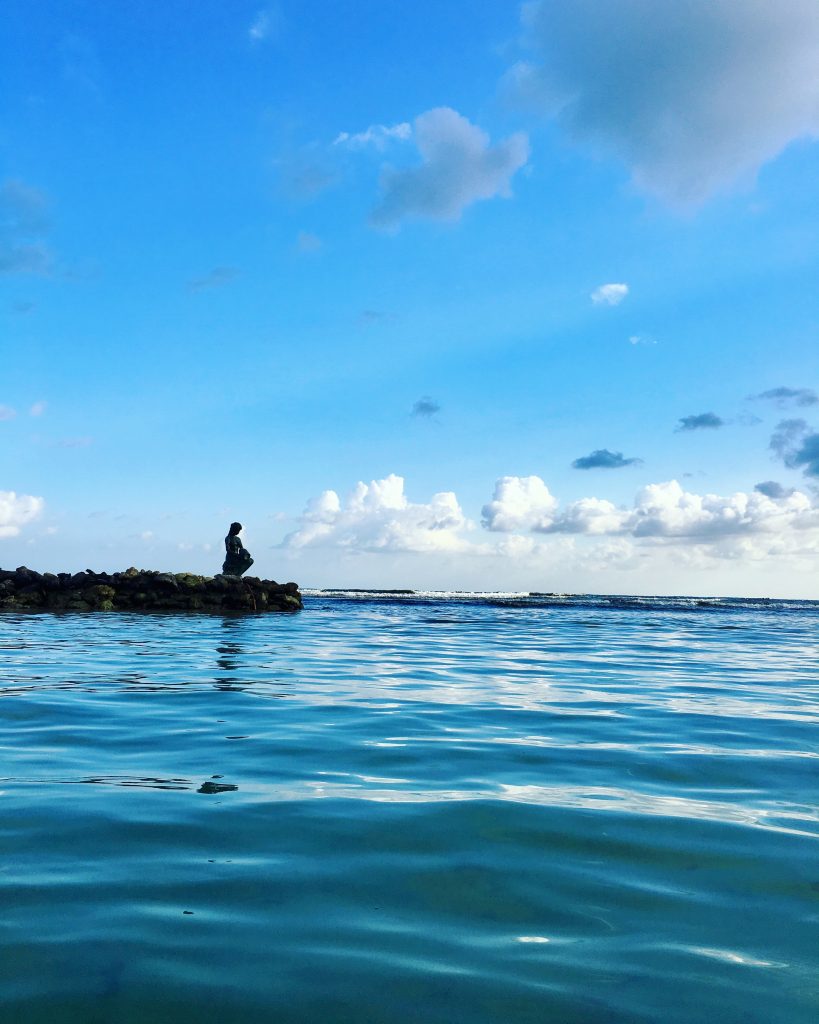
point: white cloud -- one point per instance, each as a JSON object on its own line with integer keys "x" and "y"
{"x": 666, "y": 511}
{"x": 666, "y": 532}
{"x": 590, "y": 515}
{"x": 7, "y": 413}
{"x": 609, "y": 294}
{"x": 16, "y": 510}
{"x": 38, "y": 408}
{"x": 379, "y": 517}
{"x": 661, "y": 511}
{"x": 519, "y": 503}
{"x": 690, "y": 95}
{"x": 459, "y": 166}
{"x": 377, "y": 135}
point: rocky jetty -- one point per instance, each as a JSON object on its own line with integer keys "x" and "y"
{"x": 142, "y": 590}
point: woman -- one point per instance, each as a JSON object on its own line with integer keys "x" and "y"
{"x": 237, "y": 559}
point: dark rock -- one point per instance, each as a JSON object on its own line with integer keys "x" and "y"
{"x": 147, "y": 590}
{"x": 216, "y": 787}
{"x": 29, "y": 575}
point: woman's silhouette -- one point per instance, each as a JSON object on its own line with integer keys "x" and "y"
{"x": 237, "y": 560}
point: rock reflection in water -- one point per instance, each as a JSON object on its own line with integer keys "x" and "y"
{"x": 230, "y": 653}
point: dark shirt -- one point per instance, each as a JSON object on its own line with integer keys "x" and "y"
{"x": 233, "y": 545}
{"x": 237, "y": 557}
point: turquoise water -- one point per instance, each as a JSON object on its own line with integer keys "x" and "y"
{"x": 412, "y": 809}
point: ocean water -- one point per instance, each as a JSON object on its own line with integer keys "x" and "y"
{"x": 412, "y": 808}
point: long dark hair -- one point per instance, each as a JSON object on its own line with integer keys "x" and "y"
{"x": 234, "y": 529}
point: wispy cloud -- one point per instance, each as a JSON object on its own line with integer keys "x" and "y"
{"x": 265, "y": 25}
{"x": 797, "y": 444}
{"x": 783, "y": 397}
{"x": 38, "y": 408}
{"x": 459, "y": 166}
{"x": 701, "y": 421}
{"x": 609, "y": 294}
{"x": 307, "y": 242}
{"x": 787, "y": 434}
{"x": 689, "y": 95}
{"x": 216, "y": 278}
{"x": 602, "y": 458}
{"x": 772, "y": 489}
{"x": 378, "y": 136}
{"x": 23, "y": 225}
{"x": 74, "y": 442}
{"x": 369, "y": 317}
{"x": 7, "y": 413}
{"x": 425, "y": 407}
{"x": 306, "y": 172}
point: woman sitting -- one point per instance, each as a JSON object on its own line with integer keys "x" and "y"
{"x": 237, "y": 560}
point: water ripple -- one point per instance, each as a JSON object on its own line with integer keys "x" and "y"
{"x": 510, "y": 808}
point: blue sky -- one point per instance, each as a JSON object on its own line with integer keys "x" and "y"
{"x": 250, "y": 255}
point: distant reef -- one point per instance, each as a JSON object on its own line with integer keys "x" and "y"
{"x": 142, "y": 590}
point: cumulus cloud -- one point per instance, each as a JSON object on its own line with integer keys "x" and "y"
{"x": 690, "y": 95}
{"x": 589, "y": 515}
{"x": 667, "y": 511}
{"x": 216, "y": 278}
{"x": 425, "y": 406}
{"x": 378, "y": 517}
{"x": 23, "y": 224}
{"x": 16, "y": 510}
{"x": 702, "y": 421}
{"x": 459, "y": 166}
{"x": 378, "y": 136}
{"x": 660, "y": 512}
{"x": 519, "y": 503}
{"x": 786, "y": 396}
{"x": 602, "y": 458}
{"x": 609, "y": 294}
{"x": 38, "y": 408}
